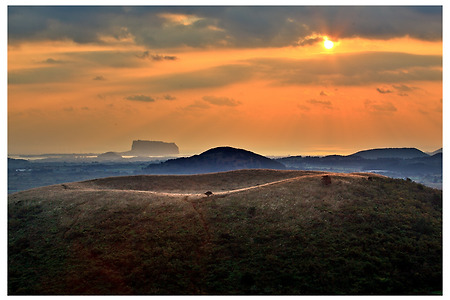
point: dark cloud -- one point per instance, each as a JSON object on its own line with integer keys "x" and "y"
{"x": 221, "y": 101}
{"x": 155, "y": 57}
{"x": 99, "y": 78}
{"x": 141, "y": 98}
{"x": 384, "y": 91}
{"x": 235, "y": 26}
{"x": 310, "y": 41}
{"x": 322, "y": 93}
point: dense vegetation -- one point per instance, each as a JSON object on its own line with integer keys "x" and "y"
{"x": 357, "y": 235}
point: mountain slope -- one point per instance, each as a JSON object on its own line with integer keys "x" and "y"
{"x": 215, "y": 160}
{"x": 260, "y": 232}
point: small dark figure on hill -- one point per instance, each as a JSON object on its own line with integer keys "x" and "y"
{"x": 326, "y": 180}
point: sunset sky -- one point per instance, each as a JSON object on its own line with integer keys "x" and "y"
{"x": 93, "y": 79}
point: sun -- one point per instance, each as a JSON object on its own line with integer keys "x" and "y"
{"x": 328, "y": 44}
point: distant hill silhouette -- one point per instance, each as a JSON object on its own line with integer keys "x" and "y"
{"x": 215, "y": 160}
{"x": 435, "y": 152}
{"x": 110, "y": 156}
{"x": 391, "y": 153}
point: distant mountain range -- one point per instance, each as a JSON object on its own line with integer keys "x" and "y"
{"x": 392, "y": 162}
{"x": 215, "y": 160}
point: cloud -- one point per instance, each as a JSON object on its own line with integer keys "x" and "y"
{"x": 322, "y": 93}
{"x": 40, "y": 75}
{"x": 403, "y": 88}
{"x": 52, "y": 61}
{"x": 321, "y": 103}
{"x": 340, "y": 69}
{"x": 141, "y": 98}
{"x": 207, "y": 78}
{"x": 384, "y": 91}
{"x": 384, "y": 107}
{"x": 169, "y": 97}
{"x": 221, "y": 101}
{"x": 113, "y": 59}
{"x": 155, "y": 57}
{"x": 99, "y": 78}
{"x": 350, "y": 69}
{"x": 220, "y": 26}
{"x": 197, "y": 105}
{"x": 303, "y": 107}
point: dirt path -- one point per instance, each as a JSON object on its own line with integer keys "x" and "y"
{"x": 194, "y": 196}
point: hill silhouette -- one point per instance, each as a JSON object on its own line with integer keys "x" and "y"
{"x": 403, "y": 153}
{"x": 392, "y": 162}
{"x": 215, "y": 160}
{"x": 273, "y": 232}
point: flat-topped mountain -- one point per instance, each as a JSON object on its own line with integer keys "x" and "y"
{"x": 272, "y": 232}
{"x": 152, "y": 148}
{"x": 404, "y": 153}
{"x": 215, "y": 160}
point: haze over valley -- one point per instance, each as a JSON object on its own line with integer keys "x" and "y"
{"x": 57, "y": 168}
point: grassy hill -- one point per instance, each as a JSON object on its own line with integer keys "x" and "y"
{"x": 260, "y": 232}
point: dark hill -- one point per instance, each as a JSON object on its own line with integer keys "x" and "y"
{"x": 109, "y": 156}
{"x": 259, "y": 232}
{"x": 215, "y": 160}
{"x": 403, "y": 153}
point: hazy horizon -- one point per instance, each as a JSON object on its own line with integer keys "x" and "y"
{"x": 91, "y": 79}
{"x": 184, "y": 153}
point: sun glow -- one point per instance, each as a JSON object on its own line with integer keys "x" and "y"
{"x": 328, "y": 44}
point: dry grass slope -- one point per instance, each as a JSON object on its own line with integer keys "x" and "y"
{"x": 260, "y": 232}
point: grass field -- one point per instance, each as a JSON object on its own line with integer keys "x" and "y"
{"x": 260, "y": 232}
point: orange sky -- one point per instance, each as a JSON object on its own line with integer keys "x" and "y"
{"x": 203, "y": 83}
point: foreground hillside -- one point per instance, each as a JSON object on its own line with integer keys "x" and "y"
{"x": 259, "y": 232}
